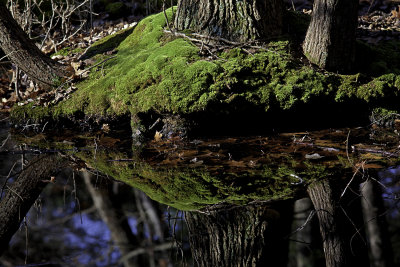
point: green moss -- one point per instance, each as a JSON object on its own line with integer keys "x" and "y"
{"x": 157, "y": 72}
{"x": 191, "y": 188}
{"x": 30, "y": 112}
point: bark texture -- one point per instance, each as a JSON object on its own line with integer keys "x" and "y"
{"x": 332, "y": 236}
{"x": 380, "y": 249}
{"x": 234, "y": 20}
{"x": 340, "y": 221}
{"x": 23, "y": 193}
{"x": 240, "y": 236}
{"x": 330, "y": 38}
{"x": 25, "y": 54}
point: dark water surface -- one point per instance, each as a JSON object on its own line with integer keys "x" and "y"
{"x": 67, "y": 225}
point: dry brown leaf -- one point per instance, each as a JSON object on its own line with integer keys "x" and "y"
{"x": 158, "y": 136}
{"x": 396, "y": 12}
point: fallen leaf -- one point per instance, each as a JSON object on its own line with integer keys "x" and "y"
{"x": 158, "y": 136}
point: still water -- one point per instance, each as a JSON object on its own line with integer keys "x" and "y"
{"x": 115, "y": 204}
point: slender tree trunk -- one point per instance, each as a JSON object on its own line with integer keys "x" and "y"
{"x": 332, "y": 236}
{"x": 304, "y": 252}
{"x": 23, "y": 193}
{"x": 330, "y": 38}
{"x": 380, "y": 249}
{"x": 240, "y": 236}
{"x": 234, "y": 20}
{"x": 25, "y": 54}
{"x": 121, "y": 232}
{"x": 340, "y": 223}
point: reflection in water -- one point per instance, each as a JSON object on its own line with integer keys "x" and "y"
{"x": 63, "y": 228}
{"x": 238, "y": 195}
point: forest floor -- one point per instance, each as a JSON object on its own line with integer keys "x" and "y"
{"x": 380, "y": 23}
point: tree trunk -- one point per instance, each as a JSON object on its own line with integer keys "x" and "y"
{"x": 25, "y": 54}
{"x": 332, "y": 236}
{"x": 117, "y": 223}
{"x": 235, "y": 20}
{"x": 330, "y": 38}
{"x": 23, "y": 193}
{"x": 240, "y": 236}
{"x": 380, "y": 249}
{"x": 304, "y": 236}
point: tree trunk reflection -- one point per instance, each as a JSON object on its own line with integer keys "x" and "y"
{"x": 240, "y": 236}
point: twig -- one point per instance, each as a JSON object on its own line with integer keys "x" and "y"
{"x": 5, "y": 141}
{"x": 165, "y": 15}
{"x": 77, "y": 203}
{"x": 26, "y": 240}
{"x": 201, "y": 37}
{"x": 310, "y": 216}
{"x": 16, "y": 193}
{"x": 7, "y": 178}
{"x": 351, "y": 180}
{"x": 137, "y": 252}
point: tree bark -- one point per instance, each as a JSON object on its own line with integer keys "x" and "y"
{"x": 23, "y": 193}
{"x": 332, "y": 236}
{"x": 235, "y": 20}
{"x": 330, "y": 38}
{"x": 380, "y": 249}
{"x": 240, "y": 236}
{"x": 25, "y": 54}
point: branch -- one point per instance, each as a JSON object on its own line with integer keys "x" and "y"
{"x": 139, "y": 251}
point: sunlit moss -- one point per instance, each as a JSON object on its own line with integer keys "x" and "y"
{"x": 158, "y": 72}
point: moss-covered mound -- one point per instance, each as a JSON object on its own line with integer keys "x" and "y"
{"x": 155, "y": 72}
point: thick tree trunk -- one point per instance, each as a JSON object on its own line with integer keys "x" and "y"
{"x": 25, "y": 54}
{"x": 380, "y": 249}
{"x": 234, "y": 20}
{"x": 330, "y": 38}
{"x": 240, "y": 236}
{"x": 23, "y": 193}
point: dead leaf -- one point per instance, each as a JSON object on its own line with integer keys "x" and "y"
{"x": 158, "y": 136}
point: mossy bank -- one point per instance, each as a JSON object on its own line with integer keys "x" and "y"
{"x": 155, "y": 75}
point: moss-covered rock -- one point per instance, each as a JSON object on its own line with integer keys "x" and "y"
{"x": 155, "y": 72}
